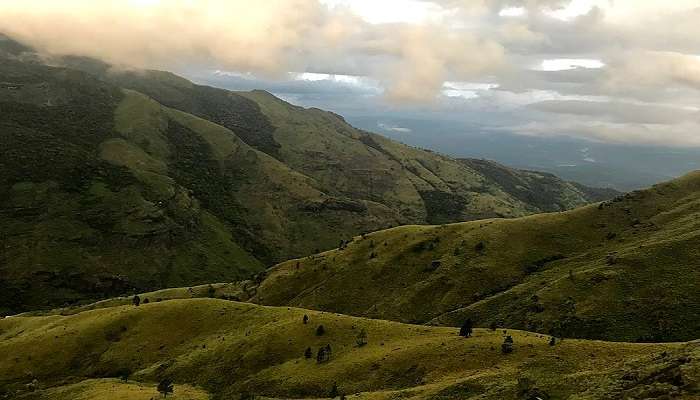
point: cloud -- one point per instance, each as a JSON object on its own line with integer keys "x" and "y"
{"x": 393, "y": 128}
{"x": 268, "y": 38}
{"x": 622, "y": 70}
{"x": 620, "y": 112}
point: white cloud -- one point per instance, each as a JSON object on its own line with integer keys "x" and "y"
{"x": 622, "y": 70}
{"x": 561, "y": 64}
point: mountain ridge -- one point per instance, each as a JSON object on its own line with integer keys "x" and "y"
{"x": 134, "y": 180}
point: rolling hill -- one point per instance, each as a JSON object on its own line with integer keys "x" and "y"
{"x": 230, "y": 350}
{"x": 625, "y": 269}
{"x": 114, "y": 181}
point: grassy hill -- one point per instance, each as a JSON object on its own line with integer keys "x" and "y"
{"x": 227, "y": 350}
{"x": 117, "y": 181}
{"x": 626, "y": 269}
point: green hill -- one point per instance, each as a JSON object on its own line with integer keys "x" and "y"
{"x": 233, "y": 350}
{"x": 115, "y": 181}
{"x": 626, "y": 269}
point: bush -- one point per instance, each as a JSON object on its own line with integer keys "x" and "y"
{"x": 320, "y": 331}
{"x": 507, "y": 346}
{"x": 466, "y": 330}
{"x": 361, "y": 338}
{"x": 165, "y": 386}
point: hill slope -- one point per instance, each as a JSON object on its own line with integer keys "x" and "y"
{"x": 627, "y": 269}
{"x": 228, "y": 349}
{"x": 105, "y": 190}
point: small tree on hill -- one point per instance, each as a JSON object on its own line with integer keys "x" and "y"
{"x": 552, "y": 341}
{"x": 507, "y": 346}
{"x": 466, "y": 330}
{"x": 308, "y": 353}
{"x": 136, "y": 300}
{"x": 211, "y": 291}
{"x": 306, "y": 319}
{"x": 165, "y": 387}
{"x": 334, "y": 391}
{"x": 361, "y": 338}
{"x": 320, "y": 331}
{"x": 322, "y": 355}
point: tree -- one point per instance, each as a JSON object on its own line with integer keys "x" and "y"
{"x": 361, "y": 338}
{"x": 146, "y": 301}
{"x": 552, "y": 341}
{"x": 466, "y": 330}
{"x": 507, "y": 346}
{"x": 322, "y": 355}
{"x": 308, "y": 353}
{"x": 211, "y": 291}
{"x": 136, "y": 300}
{"x": 306, "y": 319}
{"x": 320, "y": 330}
{"x": 165, "y": 386}
{"x": 334, "y": 391}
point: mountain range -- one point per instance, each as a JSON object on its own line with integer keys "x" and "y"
{"x": 116, "y": 180}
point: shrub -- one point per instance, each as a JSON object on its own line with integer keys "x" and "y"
{"x": 308, "y": 353}
{"x": 165, "y": 386}
{"x": 306, "y": 319}
{"x": 507, "y": 346}
{"x": 136, "y": 300}
{"x": 466, "y": 330}
{"x": 361, "y": 338}
{"x": 334, "y": 391}
{"x": 320, "y": 331}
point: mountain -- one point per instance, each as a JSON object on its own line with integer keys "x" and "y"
{"x": 230, "y": 350}
{"x": 626, "y": 269}
{"x": 115, "y": 180}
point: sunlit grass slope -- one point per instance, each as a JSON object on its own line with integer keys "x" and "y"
{"x": 227, "y": 349}
{"x": 627, "y": 269}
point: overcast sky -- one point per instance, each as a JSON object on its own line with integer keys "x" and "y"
{"x": 622, "y": 71}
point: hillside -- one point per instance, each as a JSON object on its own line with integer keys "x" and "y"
{"x": 626, "y": 269}
{"x": 233, "y": 350}
{"x": 105, "y": 190}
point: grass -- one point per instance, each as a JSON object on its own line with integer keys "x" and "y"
{"x": 113, "y": 389}
{"x": 227, "y": 348}
{"x": 622, "y": 270}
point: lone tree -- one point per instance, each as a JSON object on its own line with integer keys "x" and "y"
{"x": 306, "y": 319}
{"x": 308, "y": 353}
{"x": 466, "y": 330}
{"x": 136, "y": 300}
{"x": 322, "y": 356}
{"x": 507, "y": 346}
{"x": 361, "y": 338}
{"x": 165, "y": 386}
{"x": 334, "y": 391}
{"x": 320, "y": 330}
{"x": 552, "y": 341}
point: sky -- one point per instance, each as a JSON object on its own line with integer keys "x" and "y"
{"x": 606, "y": 71}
